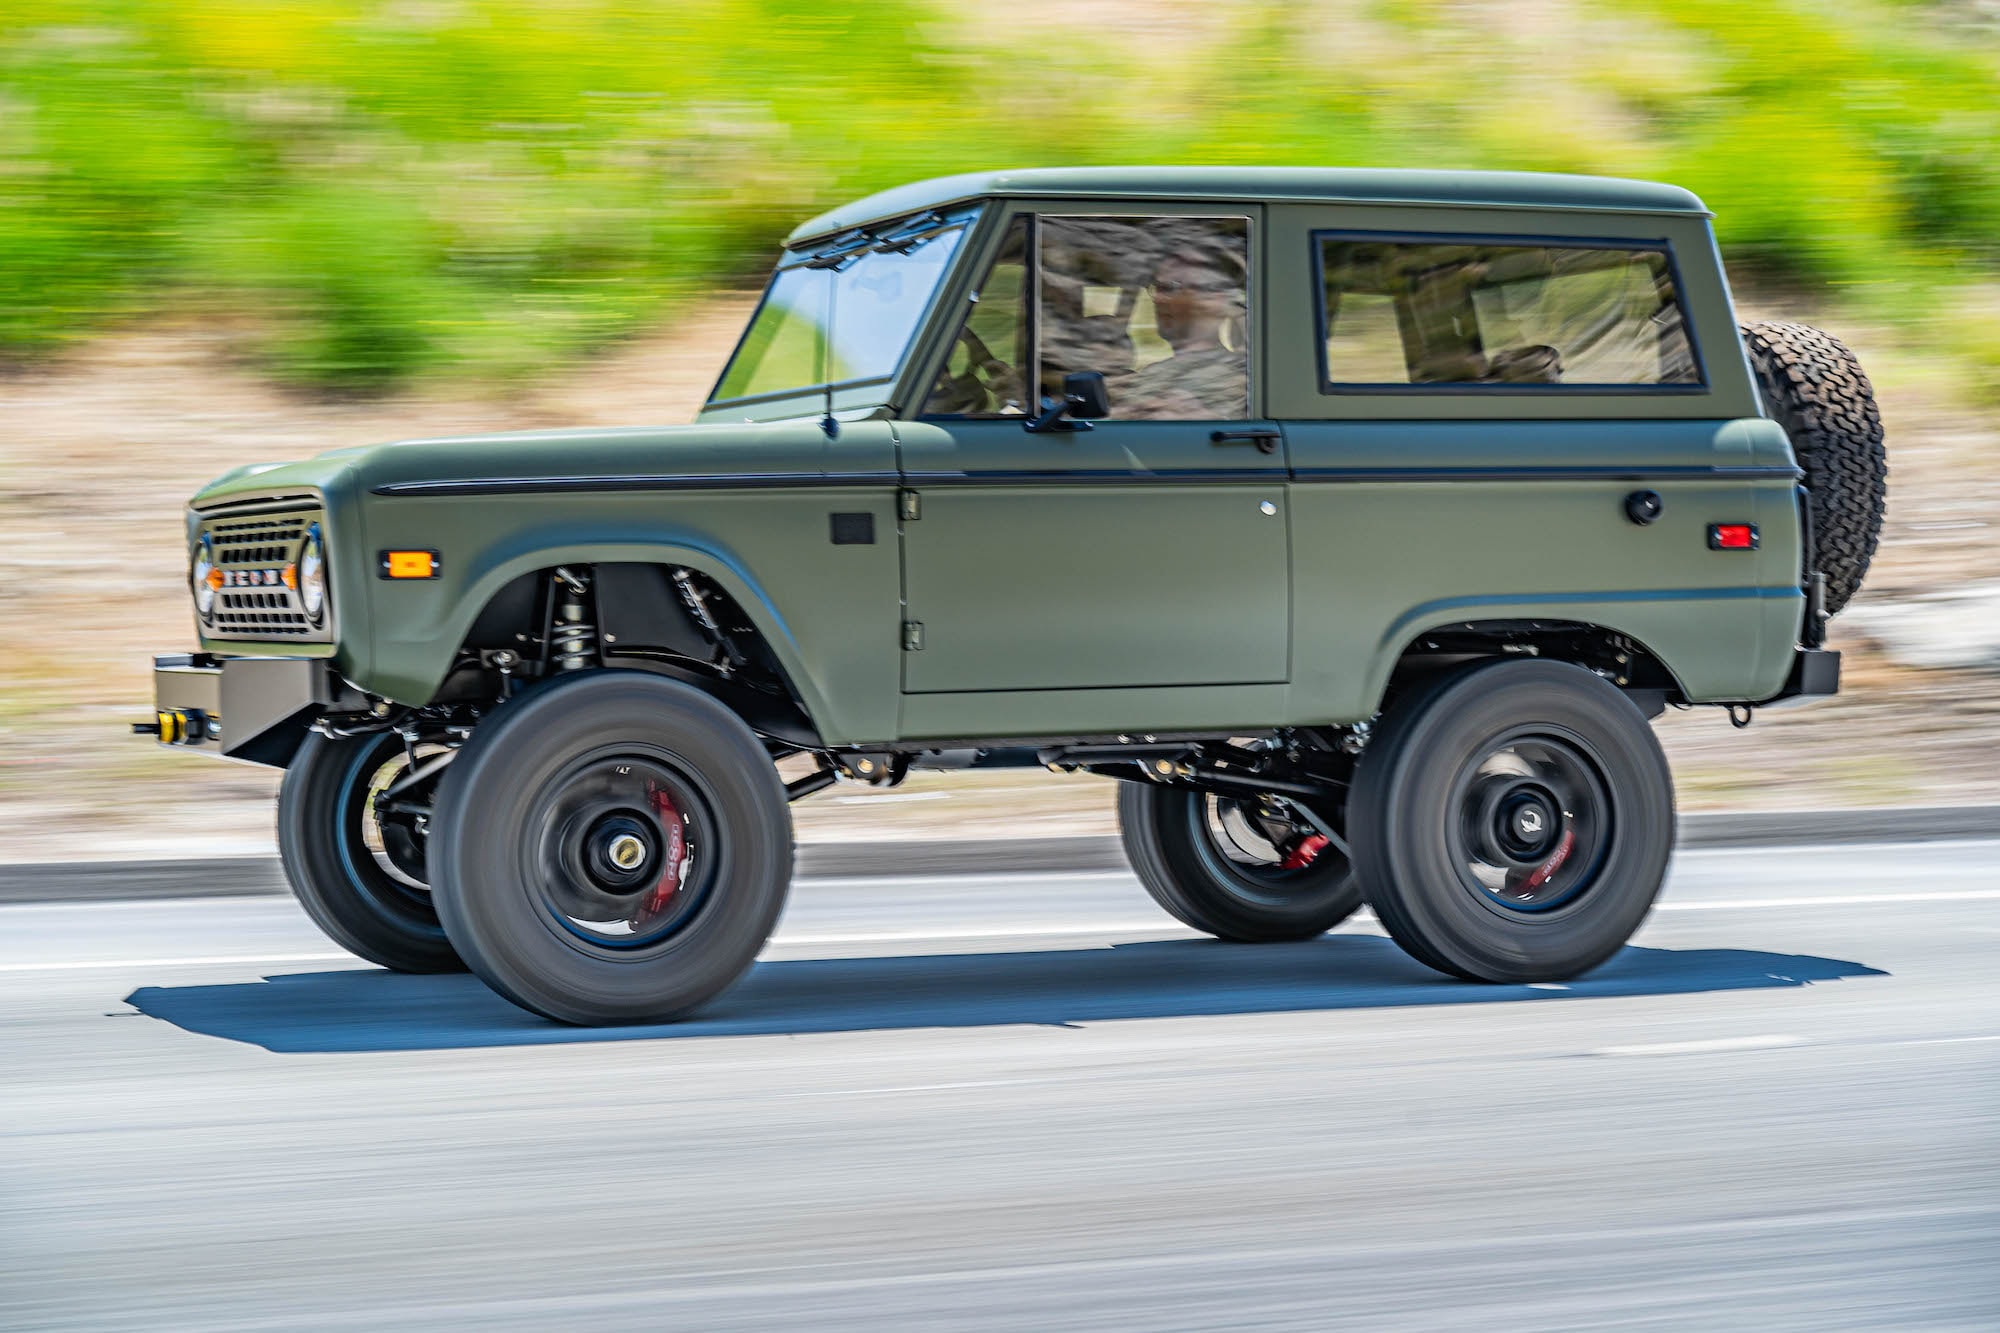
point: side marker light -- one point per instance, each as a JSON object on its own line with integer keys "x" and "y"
{"x": 408, "y": 564}
{"x": 1732, "y": 536}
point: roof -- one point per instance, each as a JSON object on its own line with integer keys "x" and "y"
{"x": 1502, "y": 189}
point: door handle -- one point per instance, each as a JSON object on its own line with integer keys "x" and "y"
{"x": 1265, "y": 440}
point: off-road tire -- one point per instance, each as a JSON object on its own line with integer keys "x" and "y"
{"x": 360, "y": 906}
{"x": 489, "y": 873}
{"x": 1814, "y": 387}
{"x": 1183, "y": 873}
{"x": 1410, "y": 791}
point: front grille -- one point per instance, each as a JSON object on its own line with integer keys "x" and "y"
{"x": 252, "y": 552}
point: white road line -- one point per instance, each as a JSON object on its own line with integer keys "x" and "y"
{"x": 1147, "y": 928}
{"x": 920, "y": 1087}
{"x": 1902, "y": 848}
{"x": 93, "y": 965}
{"x": 1834, "y": 900}
{"x": 1152, "y": 928}
{"x": 905, "y": 881}
{"x": 1704, "y": 1047}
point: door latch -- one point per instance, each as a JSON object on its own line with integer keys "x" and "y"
{"x": 1264, "y": 438}
{"x": 913, "y": 636}
{"x": 909, "y": 506}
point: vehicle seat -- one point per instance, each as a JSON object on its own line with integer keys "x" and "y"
{"x": 1537, "y": 363}
{"x": 1451, "y": 368}
{"x": 1105, "y": 343}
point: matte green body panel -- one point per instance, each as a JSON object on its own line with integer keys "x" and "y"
{"x": 1376, "y": 563}
{"x": 1092, "y": 559}
{"x": 1126, "y": 579}
{"x": 829, "y": 612}
{"x": 1037, "y": 713}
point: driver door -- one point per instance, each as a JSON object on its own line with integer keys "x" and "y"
{"x": 1148, "y": 552}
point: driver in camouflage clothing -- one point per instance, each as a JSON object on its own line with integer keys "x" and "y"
{"x": 1197, "y": 295}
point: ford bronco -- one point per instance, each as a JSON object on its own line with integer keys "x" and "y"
{"x": 1358, "y": 522}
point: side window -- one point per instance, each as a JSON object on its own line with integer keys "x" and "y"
{"x": 1159, "y": 305}
{"x": 1462, "y": 311}
{"x": 986, "y": 373}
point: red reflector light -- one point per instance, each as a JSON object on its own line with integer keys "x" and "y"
{"x": 1732, "y": 536}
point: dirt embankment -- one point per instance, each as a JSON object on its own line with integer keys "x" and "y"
{"x": 98, "y": 454}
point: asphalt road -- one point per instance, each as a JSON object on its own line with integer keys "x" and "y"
{"x": 1027, "y": 1102}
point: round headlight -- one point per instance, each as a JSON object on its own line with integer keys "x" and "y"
{"x": 202, "y": 578}
{"x": 312, "y": 575}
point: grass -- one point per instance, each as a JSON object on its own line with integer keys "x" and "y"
{"x": 381, "y": 190}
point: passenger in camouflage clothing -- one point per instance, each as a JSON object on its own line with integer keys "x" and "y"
{"x": 1197, "y": 293}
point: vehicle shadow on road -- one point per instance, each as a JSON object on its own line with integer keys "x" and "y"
{"x": 370, "y": 1010}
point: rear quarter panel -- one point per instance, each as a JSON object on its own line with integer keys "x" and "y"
{"x": 1416, "y": 511}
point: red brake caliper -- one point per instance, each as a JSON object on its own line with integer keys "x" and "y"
{"x": 1546, "y": 871}
{"x": 1305, "y": 849}
{"x": 672, "y": 853}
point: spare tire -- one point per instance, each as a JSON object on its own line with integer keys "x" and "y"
{"x": 1814, "y": 387}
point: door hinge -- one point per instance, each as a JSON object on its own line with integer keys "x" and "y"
{"x": 909, "y": 506}
{"x": 913, "y": 636}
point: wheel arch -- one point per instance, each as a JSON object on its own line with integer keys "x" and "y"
{"x": 1430, "y": 638}
{"x": 418, "y": 669}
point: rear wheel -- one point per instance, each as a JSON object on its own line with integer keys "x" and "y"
{"x": 612, "y": 848}
{"x": 352, "y": 834}
{"x": 1513, "y": 821}
{"x": 1245, "y": 868}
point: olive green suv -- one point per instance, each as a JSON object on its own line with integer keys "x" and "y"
{"x": 1356, "y": 521}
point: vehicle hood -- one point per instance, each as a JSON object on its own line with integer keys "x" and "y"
{"x": 655, "y": 454}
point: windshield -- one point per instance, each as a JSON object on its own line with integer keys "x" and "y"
{"x": 842, "y": 314}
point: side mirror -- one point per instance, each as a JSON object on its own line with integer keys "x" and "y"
{"x": 1085, "y": 396}
{"x": 1084, "y": 400}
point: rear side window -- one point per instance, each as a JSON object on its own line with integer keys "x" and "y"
{"x": 1468, "y": 314}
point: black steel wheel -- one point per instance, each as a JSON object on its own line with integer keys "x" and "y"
{"x": 353, "y": 834}
{"x": 1244, "y": 868}
{"x": 1513, "y": 821}
{"x": 613, "y": 847}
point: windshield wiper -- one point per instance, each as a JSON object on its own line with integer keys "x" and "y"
{"x": 905, "y": 237}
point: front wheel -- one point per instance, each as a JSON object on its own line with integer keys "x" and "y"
{"x": 611, "y": 848}
{"x": 1513, "y": 821}
{"x": 352, "y": 834}
{"x": 1244, "y": 868}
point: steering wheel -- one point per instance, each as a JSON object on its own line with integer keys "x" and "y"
{"x": 985, "y": 385}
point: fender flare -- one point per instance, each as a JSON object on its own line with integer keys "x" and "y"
{"x": 1607, "y": 611}
{"x": 532, "y": 551}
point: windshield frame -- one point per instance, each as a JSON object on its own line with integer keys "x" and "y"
{"x": 828, "y": 252}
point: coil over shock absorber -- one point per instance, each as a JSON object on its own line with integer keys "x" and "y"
{"x": 572, "y": 636}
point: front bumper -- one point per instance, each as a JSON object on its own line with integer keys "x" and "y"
{"x": 256, "y": 709}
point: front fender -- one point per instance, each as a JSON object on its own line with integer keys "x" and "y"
{"x": 418, "y": 625}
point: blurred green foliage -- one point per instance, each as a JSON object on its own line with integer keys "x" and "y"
{"x": 382, "y": 188}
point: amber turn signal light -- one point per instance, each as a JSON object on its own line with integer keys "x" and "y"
{"x": 409, "y": 564}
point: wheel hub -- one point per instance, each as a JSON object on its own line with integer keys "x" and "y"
{"x": 1517, "y": 820}
{"x": 1534, "y": 823}
{"x": 1530, "y": 822}
{"x": 620, "y": 851}
{"x": 617, "y": 850}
